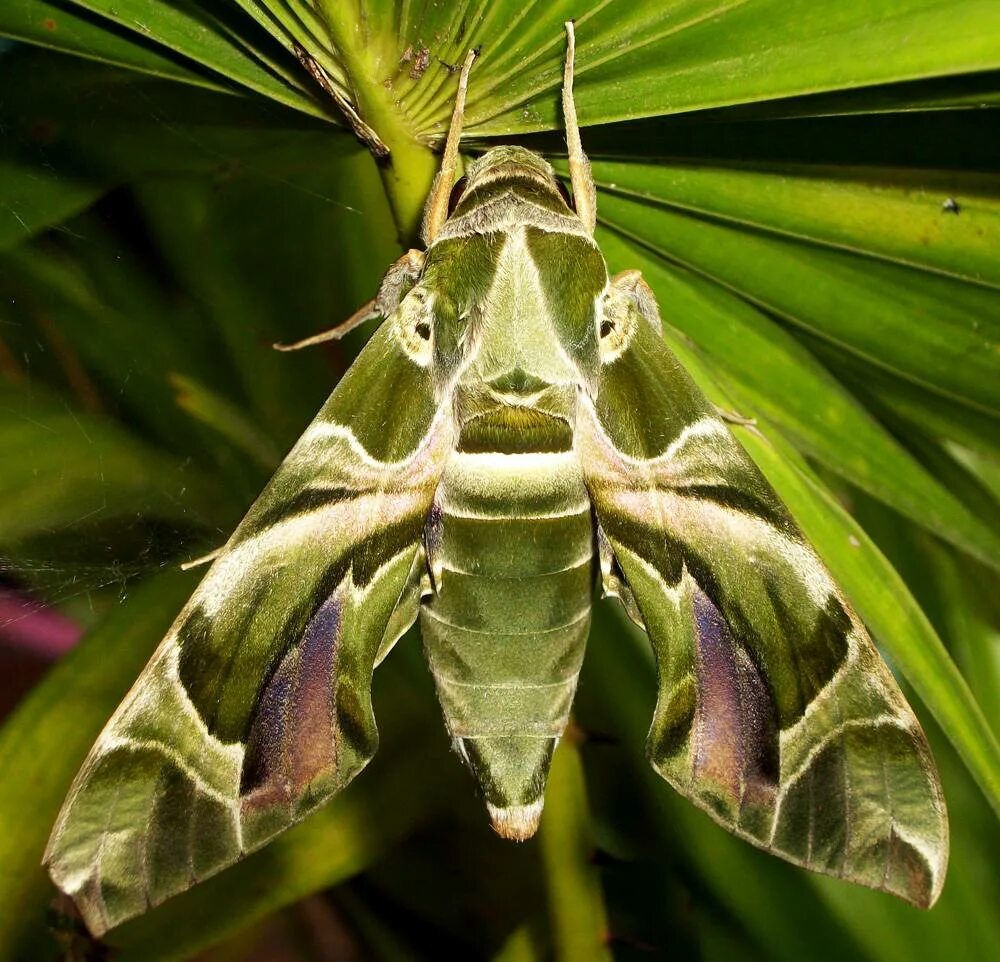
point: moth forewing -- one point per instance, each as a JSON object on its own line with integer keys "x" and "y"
{"x": 775, "y": 713}
{"x": 256, "y": 707}
{"x": 514, "y": 431}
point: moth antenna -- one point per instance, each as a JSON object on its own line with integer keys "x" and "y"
{"x": 436, "y": 211}
{"x": 362, "y": 314}
{"x": 584, "y": 191}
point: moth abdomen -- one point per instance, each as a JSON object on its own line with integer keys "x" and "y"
{"x": 506, "y": 630}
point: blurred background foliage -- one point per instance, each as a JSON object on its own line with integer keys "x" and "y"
{"x": 813, "y": 190}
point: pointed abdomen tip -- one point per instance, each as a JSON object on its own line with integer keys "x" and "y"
{"x": 518, "y": 822}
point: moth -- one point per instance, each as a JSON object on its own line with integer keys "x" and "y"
{"x": 514, "y": 434}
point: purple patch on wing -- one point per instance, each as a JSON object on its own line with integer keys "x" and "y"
{"x": 735, "y": 740}
{"x": 313, "y": 745}
{"x": 265, "y": 780}
{"x": 292, "y": 737}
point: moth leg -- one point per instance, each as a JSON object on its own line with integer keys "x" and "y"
{"x": 362, "y": 314}
{"x": 423, "y": 580}
{"x": 433, "y": 533}
{"x": 407, "y": 608}
{"x": 581, "y": 177}
{"x": 436, "y": 211}
{"x": 733, "y": 417}
{"x": 398, "y": 279}
{"x": 202, "y": 560}
{"x": 613, "y": 584}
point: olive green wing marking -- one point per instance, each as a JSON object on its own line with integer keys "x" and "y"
{"x": 256, "y": 707}
{"x": 775, "y": 712}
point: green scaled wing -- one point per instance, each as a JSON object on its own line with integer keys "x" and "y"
{"x": 775, "y": 713}
{"x": 256, "y": 707}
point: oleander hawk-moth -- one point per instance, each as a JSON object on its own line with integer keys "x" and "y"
{"x": 515, "y": 433}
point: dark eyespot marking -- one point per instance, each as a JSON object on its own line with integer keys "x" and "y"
{"x": 423, "y": 330}
{"x": 456, "y": 194}
{"x": 606, "y": 328}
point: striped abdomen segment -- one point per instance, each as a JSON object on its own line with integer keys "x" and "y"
{"x": 512, "y": 548}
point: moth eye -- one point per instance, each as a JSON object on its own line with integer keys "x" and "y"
{"x": 617, "y": 325}
{"x": 413, "y": 324}
{"x": 456, "y": 194}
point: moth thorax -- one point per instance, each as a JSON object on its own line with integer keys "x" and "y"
{"x": 511, "y": 164}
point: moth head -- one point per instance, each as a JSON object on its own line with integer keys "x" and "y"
{"x": 504, "y": 168}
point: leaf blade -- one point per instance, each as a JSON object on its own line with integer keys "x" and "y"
{"x": 207, "y": 39}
